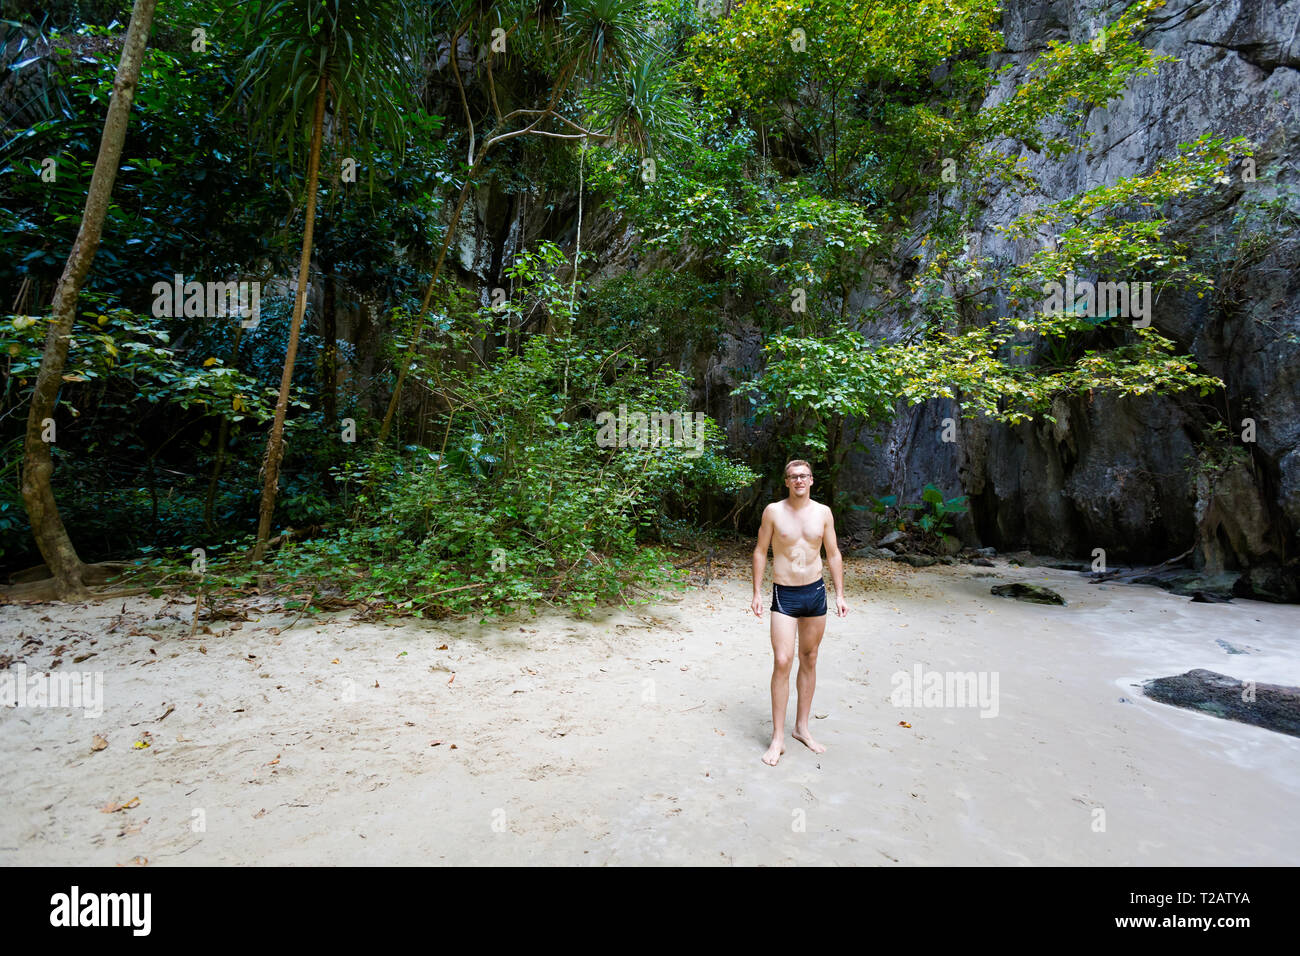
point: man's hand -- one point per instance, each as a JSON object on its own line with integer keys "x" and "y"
{"x": 756, "y": 606}
{"x": 841, "y": 609}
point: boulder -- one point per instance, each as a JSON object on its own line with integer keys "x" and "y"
{"x": 1033, "y": 593}
{"x": 1271, "y": 706}
{"x": 880, "y": 554}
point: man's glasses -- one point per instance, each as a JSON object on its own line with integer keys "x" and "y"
{"x": 800, "y": 477}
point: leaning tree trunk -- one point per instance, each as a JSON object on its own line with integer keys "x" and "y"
{"x": 38, "y": 494}
{"x": 275, "y": 443}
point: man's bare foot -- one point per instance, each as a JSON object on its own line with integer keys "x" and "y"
{"x": 774, "y": 753}
{"x": 805, "y": 738}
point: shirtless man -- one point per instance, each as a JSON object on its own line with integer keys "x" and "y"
{"x": 796, "y": 529}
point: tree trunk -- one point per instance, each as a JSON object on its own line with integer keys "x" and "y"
{"x": 38, "y": 466}
{"x": 275, "y": 443}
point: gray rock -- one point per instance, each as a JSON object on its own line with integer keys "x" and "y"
{"x": 1188, "y": 581}
{"x": 949, "y": 545}
{"x": 890, "y": 538}
{"x": 1271, "y": 582}
{"x": 982, "y": 563}
{"x": 1033, "y": 593}
{"x": 1274, "y": 707}
{"x": 917, "y": 560}
{"x": 879, "y": 554}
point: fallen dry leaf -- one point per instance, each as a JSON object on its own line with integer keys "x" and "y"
{"x": 169, "y": 710}
{"x": 259, "y": 813}
{"x": 335, "y": 661}
{"x": 275, "y": 761}
{"x": 111, "y": 807}
{"x": 453, "y": 677}
{"x": 443, "y": 648}
{"x": 140, "y": 860}
{"x": 436, "y": 743}
{"x": 903, "y": 723}
{"x": 99, "y": 743}
{"x": 203, "y": 649}
{"x": 453, "y": 747}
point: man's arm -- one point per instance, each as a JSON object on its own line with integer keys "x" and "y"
{"x": 836, "y": 561}
{"x": 760, "y": 560}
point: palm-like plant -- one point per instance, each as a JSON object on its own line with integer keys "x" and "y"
{"x": 361, "y": 58}
{"x": 639, "y": 103}
{"x": 604, "y": 44}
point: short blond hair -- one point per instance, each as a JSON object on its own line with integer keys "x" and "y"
{"x": 797, "y": 461}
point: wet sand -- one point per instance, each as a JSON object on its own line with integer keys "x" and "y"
{"x": 635, "y": 737}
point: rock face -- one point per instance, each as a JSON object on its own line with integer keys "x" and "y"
{"x": 1114, "y": 473}
{"x": 1273, "y": 706}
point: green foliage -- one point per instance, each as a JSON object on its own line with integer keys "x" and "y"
{"x": 935, "y": 513}
{"x": 655, "y": 315}
{"x": 519, "y": 504}
{"x": 846, "y": 75}
{"x": 179, "y": 179}
{"x": 517, "y": 498}
{"x": 116, "y": 358}
{"x": 813, "y": 379}
{"x": 929, "y": 519}
{"x": 1108, "y": 230}
{"x": 1217, "y": 453}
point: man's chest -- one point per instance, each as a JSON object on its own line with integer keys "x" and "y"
{"x": 798, "y": 527}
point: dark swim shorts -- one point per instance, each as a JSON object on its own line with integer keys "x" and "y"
{"x": 800, "y": 600}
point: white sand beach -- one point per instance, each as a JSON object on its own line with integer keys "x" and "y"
{"x": 635, "y": 737}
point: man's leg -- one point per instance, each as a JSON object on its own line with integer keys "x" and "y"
{"x": 783, "y": 639}
{"x": 811, "y": 630}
